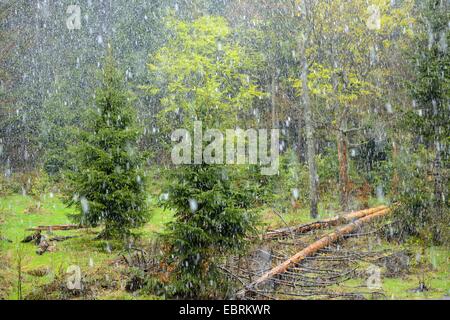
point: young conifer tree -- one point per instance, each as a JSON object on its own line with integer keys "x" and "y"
{"x": 212, "y": 207}
{"x": 107, "y": 180}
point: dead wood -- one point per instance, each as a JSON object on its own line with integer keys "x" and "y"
{"x": 62, "y": 238}
{"x": 42, "y": 247}
{"x": 56, "y": 227}
{"x": 311, "y": 250}
{"x": 5, "y": 239}
{"x": 285, "y": 232}
{"x": 35, "y": 237}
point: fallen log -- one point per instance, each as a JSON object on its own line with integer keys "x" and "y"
{"x": 35, "y": 237}
{"x": 310, "y": 250}
{"x": 42, "y": 247}
{"x": 56, "y": 227}
{"x": 5, "y": 239}
{"x": 62, "y": 238}
{"x": 285, "y": 232}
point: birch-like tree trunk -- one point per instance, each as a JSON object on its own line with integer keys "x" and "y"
{"x": 309, "y": 133}
{"x": 273, "y": 94}
{"x": 344, "y": 184}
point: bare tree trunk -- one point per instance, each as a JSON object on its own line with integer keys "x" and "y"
{"x": 342, "y": 145}
{"x": 341, "y": 138}
{"x": 395, "y": 177}
{"x": 273, "y": 93}
{"x": 310, "y": 141}
{"x": 438, "y": 180}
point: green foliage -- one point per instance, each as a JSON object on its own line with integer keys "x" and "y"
{"x": 423, "y": 198}
{"x": 61, "y": 115}
{"x": 328, "y": 170}
{"x": 212, "y": 217}
{"x": 8, "y": 186}
{"x": 34, "y": 183}
{"x": 107, "y": 180}
{"x": 291, "y": 184}
{"x": 372, "y": 163}
{"x": 416, "y": 214}
{"x": 431, "y": 85}
{"x": 40, "y": 184}
{"x": 202, "y": 74}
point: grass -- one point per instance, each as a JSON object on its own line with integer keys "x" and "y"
{"x": 21, "y": 212}
{"x": 432, "y": 268}
{"x": 437, "y": 281}
{"x": 96, "y": 257}
{"x": 276, "y": 219}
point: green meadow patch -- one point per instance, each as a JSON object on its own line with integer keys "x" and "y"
{"x": 18, "y": 213}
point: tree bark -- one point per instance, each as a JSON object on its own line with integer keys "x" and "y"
{"x": 56, "y": 227}
{"x": 438, "y": 180}
{"x": 309, "y": 131}
{"x": 310, "y": 250}
{"x": 285, "y": 232}
{"x": 344, "y": 182}
{"x": 395, "y": 177}
{"x": 273, "y": 93}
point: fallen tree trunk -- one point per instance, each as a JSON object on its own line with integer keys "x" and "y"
{"x": 285, "y": 232}
{"x": 310, "y": 250}
{"x": 35, "y": 237}
{"x": 63, "y": 238}
{"x": 56, "y": 227}
{"x": 5, "y": 239}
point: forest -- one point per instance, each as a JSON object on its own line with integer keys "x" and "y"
{"x": 224, "y": 149}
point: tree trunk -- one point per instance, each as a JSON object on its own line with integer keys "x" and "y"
{"x": 310, "y": 141}
{"x": 287, "y": 231}
{"x": 438, "y": 180}
{"x": 344, "y": 184}
{"x": 310, "y": 250}
{"x": 395, "y": 177}
{"x": 273, "y": 93}
{"x": 342, "y": 143}
{"x": 56, "y": 227}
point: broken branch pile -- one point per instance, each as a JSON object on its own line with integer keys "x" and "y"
{"x": 314, "y": 248}
{"x": 285, "y": 232}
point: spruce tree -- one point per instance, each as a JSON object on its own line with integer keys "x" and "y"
{"x": 424, "y": 207}
{"x": 213, "y": 216}
{"x": 107, "y": 181}
{"x": 209, "y": 83}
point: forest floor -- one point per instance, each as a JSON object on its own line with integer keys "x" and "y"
{"x": 105, "y": 277}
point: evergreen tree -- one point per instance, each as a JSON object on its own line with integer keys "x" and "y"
{"x": 213, "y": 217}
{"x": 207, "y": 82}
{"x": 431, "y": 88}
{"x": 424, "y": 210}
{"x": 16, "y": 152}
{"x": 107, "y": 176}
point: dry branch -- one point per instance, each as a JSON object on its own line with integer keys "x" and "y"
{"x": 310, "y": 250}
{"x": 56, "y": 227}
{"x": 285, "y": 232}
{"x": 63, "y": 238}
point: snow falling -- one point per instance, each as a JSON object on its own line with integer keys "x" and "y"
{"x": 345, "y": 104}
